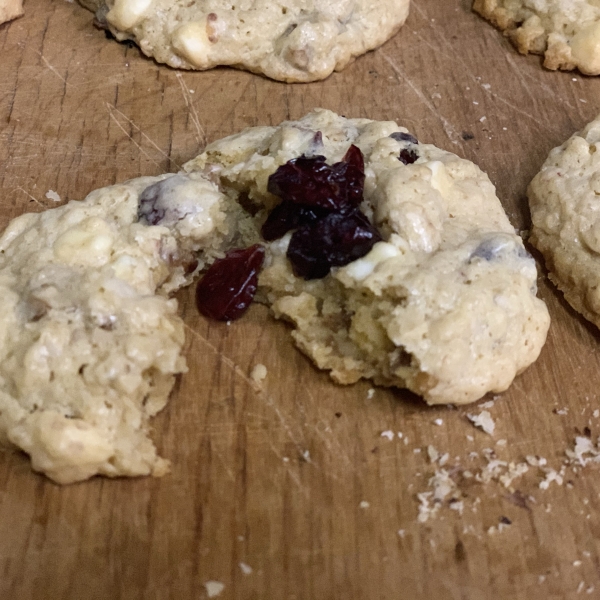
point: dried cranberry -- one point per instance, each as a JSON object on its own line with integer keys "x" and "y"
{"x": 334, "y": 241}
{"x": 408, "y": 156}
{"x": 312, "y": 182}
{"x": 401, "y": 136}
{"x": 228, "y": 286}
{"x": 286, "y": 216}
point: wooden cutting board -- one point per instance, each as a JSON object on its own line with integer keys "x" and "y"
{"x": 291, "y": 492}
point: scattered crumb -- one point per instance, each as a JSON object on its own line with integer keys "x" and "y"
{"x": 370, "y": 393}
{"x": 576, "y": 563}
{"x": 52, "y": 195}
{"x": 389, "y": 434}
{"x": 399, "y": 434}
{"x": 486, "y": 86}
{"x": 541, "y": 578}
{"x": 581, "y": 587}
{"x": 596, "y": 413}
{"x": 306, "y": 455}
{"x": 401, "y": 532}
{"x": 246, "y": 569}
{"x": 439, "y": 422}
{"x": 470, "y": 437}
{"x": 258, "y": 373}
{"x": 240, "y": 538}
{"x": 501, "y": 443}
{"x": 482, "y": 119}
{"x": 364, "y": 504}
{"x": 484, "y": 421}
{"x": 214, "y": 588}
{"x": 488, "y": 404}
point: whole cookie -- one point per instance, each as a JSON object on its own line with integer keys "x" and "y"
{"x": 292, "y": 40}
{"x": 566, "y": 32}
{"x": 89, "y": 341}
{"x": 444, "y": 305}
{"x": 563, "y": 198}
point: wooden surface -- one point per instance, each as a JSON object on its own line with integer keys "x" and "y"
{"x": 296, "y": 481}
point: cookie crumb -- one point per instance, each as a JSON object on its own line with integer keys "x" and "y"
{"x": 246, "y": 569}
{"x": 484, "y": 421}
{"x": 389, "y": 434}
{"x": 258, "y": 373}
{"x": 52, "y": 195}
{"x": 364, "y": 504}
{"x": 439, "y": 422}
{"x": 214, "y": 588}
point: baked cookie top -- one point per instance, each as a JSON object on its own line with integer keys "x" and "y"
{"x": 89, "y": 341}
{"x": 291, "y": 40}
{"x": 444, "y": 305}
{"x": 563, "y": 198}
{"x": 566, "y": 32}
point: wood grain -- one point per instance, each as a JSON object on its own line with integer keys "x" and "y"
{"x": 294, "y": 480}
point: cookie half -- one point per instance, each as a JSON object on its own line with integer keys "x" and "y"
{"x": 566, "y": 32}
{"x": 291, "y": 40}
{"x": 90, "y": 343}
{"x": 444, "y": 305}
{"x": 564, "y": 201}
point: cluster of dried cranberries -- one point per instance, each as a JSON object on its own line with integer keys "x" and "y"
{"x": 320, "y": 202}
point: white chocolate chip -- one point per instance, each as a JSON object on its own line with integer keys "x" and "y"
{"x": 125, "y": 14}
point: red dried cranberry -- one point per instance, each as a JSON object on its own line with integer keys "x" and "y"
{"x": 334, "y": 241}
{"x": 287, "y": 216}
{"x": 312, "y": 182}
{"x": 228, "y": 286}
{"x": 408, "y": 156}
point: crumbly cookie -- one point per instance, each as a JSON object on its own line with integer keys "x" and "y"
{"x": 563, "y": 198}
{"x": 291, "y": 40}
{"x": 89, "y": 342}
{"x": 445, "y": 305}
{"x": 566, "y": 32}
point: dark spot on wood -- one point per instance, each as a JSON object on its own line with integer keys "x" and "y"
{"x": 518, "y": 499}
{"x": 505, "y": 520}
{"x": 587, "y": 432}
{"x": 338, "y": 414}
{"x": 467, "y": 135}
{"x": 459, "y": 552}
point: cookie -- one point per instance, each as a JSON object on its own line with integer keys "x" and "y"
{"x": 90, "y": 343}
{"x": 443, "y": 305}
{"x": 563, "y": 198}
{"x": 566, "y": 32}
{"x": 441, "y": 300}
{"x": 295, "y": 40}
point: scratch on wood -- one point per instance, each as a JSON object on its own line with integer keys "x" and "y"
{"x": 453, "y": 136}
{"x": 112, "y": 110}
{"x": 52, "y": 69}
{"x": 200, "y": 134}
{"x": 227, "y": 361}
{"x": 32, "y": 197}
